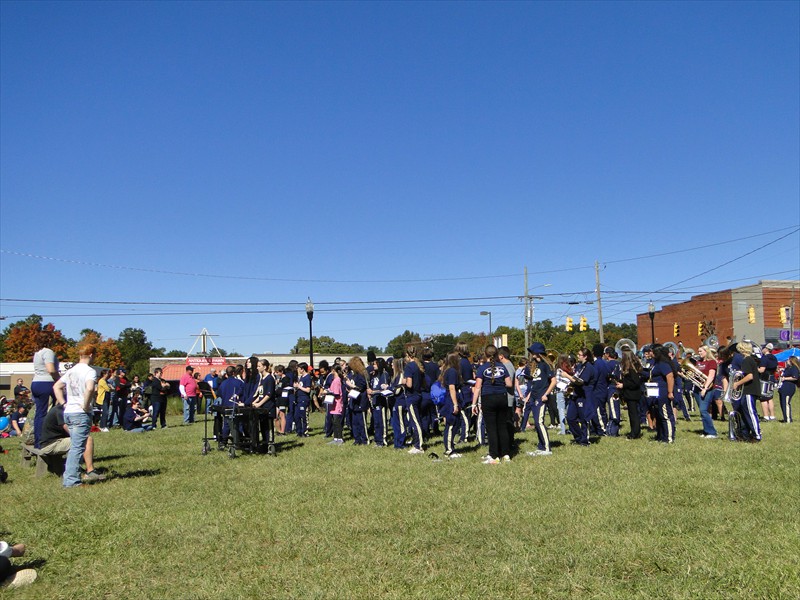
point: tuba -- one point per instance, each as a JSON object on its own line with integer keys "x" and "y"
{"x": 673, "y": 347}
{"x": 624, "y": 344}
{"x": 712, "y": 342}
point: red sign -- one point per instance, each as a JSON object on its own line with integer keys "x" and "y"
{"x": 199, "y": 361}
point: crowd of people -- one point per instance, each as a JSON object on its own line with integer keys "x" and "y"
{"x": 407, "y": 402}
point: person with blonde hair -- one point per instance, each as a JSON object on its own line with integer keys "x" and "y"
{"x": 750, "y": 385}
{"x": 708, "y": 366}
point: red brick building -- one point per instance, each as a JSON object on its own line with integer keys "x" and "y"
{"x": 727, "y": 314}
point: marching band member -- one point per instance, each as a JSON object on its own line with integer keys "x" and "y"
{"x": 357, "y": 385}
{"x": 708, "y": 366}
{"x": 791, "y": 374}
{"x": 398, "y": 419}
{"x": 451, "y": 381}
{"x": 291, "y": 399}
{"x": 230, "y": 393}
{"x": 648, "y": 407}
{"x": 579, "y": 409}
{"x": 630, "y": 387}
{"x": 600, "y": 396}
{"x": 678, "y": 402}
{"x": 302, "y": 400}
{"x": 541, "y": 383}
{"x": 613, "y": 395}
{"x": 326, "y": 377}
{"x": 751, "y": 389}
{"x": 413, "y": 375}
{"x": 379, "y": 383}
{"x": 491, "y": 381}
{"x": 767, "y": 367}
{"x": 663, "y": 373}
{"x": 264, "y": 397}
{"x": 283, "y": 383}
{"x": 467, "y": 381}
{"x": 428, "y": 415}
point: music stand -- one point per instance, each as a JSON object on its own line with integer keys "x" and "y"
{"x": 208, "y": 397}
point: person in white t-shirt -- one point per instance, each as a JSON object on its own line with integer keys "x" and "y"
{"x": 76, "y": 389}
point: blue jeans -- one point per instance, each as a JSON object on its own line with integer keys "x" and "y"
{"x": 562, "y": 412}
{"x": 79, "y": 425}
{"x": 189, "y": 405}
{"x": 705, "y": 416}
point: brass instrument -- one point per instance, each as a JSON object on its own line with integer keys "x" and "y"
{"x": 550, "y": 358}
{"x": 692, "y": 373}
{"x": 623, "y": 344}
{"x": 673, "y": 348}
{"x": 730, "y": 393}
{"x": 712, "y": 342}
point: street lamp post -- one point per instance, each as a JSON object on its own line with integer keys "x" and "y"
{"x": 651, "y": 312}
{"x": 310, "y": 315}
{"x": 488, "y": 312}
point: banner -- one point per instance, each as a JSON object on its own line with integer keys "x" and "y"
{"x": 201, "y": 361}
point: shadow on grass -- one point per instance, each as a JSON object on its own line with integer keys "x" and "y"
{"x": 288, "y": 445}
{"x": 135, "y": 474}
{"x": 36, "y": 563}
{"x": 110, "y": 457}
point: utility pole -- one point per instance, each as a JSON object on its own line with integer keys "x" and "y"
{"x": 599, "y": 305}
{"x": 527, "y": 311}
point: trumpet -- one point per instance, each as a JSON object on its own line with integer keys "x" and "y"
{"x": 692, "y": 373}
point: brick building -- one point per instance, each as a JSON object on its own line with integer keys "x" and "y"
{"x": 727, "y": 314}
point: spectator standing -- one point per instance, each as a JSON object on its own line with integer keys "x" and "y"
{"x": 45, "y": 374}
{"x": 77, "y": 389}
{"x": 188, "y": 388}
{"x": 103, "y": 398}
{"x": 158, "y": 398}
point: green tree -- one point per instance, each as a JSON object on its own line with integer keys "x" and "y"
{"x": 442, "y": 344}
{"x": 136, "y": 350}
{"x": 325, "y": 344}
{"x": 397, "y": 345}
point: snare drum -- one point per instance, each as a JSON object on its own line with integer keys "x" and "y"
{"x": 651, "y": 389}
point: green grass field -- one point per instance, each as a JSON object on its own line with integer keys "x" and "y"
{"x": 621, "y": 519}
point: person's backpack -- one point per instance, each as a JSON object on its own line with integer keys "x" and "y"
{"x": 438, "y": 393}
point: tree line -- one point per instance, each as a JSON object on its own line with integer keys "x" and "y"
{"x": 132, "y": 349}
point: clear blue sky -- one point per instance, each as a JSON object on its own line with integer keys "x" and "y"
{"x": 303, "y": 149}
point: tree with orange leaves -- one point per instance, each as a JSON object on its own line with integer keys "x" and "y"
{"x": 108, "y": 355}
{"x": 23, "y": 338}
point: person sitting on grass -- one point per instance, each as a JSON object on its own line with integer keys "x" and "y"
{"x": 56, "y": 440}
{"x": 11, "y": 578}
{"x": 135, "y": 417}
{"x": 18, "y": 418}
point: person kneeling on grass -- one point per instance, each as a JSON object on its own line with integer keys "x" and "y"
{"x": 56, "y": 440}
{"x": 135, "y": 416}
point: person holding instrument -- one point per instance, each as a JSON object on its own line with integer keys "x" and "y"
{"x": 663, "y": 374}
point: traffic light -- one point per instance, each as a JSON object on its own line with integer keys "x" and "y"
{"x": 700, "y": 329}
{"x": 784, "y": 314}
{"x": 582, "y": 326}
{"x": 569, "y": 323}
{"x": 676, "y": 330}
{"x": 751, "y": 314}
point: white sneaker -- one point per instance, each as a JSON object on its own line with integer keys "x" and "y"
{"x": 506, "y": 458}
{"x": 453, "y": 455}
{"x": 491, "y": 461}
{"x": 533, "y": 453}
{"x": 416, "y": 451}
{"x": 710, "y": 437}
{"x": 104, "y": 429}
{"x": 18, "y": 579}
{"x": 545, "y": 453}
